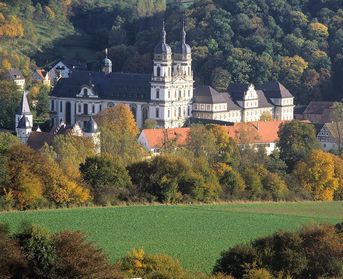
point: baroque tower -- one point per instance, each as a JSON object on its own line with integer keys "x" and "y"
{"x": 171, "y": 83}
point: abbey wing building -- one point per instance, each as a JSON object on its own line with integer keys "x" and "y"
{"x": 168, "y": 95}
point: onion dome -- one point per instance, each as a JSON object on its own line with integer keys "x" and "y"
{"x": 162, "y": 47}
{"x": 107, "y": 62}
{"x": 182, "y": 47}
{"x": 24, "y": 123}
{"x": 91, "y": 126}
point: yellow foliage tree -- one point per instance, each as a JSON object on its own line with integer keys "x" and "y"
{"x": 294, "y": 66}
{"x": 316, "y": 175}
{"x": 5, "y": 64}
{"x": 319, "y": 29}
{"x": 338, "y": 164}
{"x": 49, "y": 12}
{"x": 118, "y": 118}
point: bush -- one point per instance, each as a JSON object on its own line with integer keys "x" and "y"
{"x": 312, "y": 252}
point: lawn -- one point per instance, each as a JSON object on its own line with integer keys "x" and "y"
{"x": 195, "y": 234}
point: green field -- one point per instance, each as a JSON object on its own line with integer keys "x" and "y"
{"x": 195, "y": 234}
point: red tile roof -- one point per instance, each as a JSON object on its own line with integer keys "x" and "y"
{"x": 266, "y": 131}
{"x": 157, "y": 138}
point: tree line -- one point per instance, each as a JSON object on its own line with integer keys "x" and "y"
{"x": 211, "y": 166}
{"x": 33, "y": 252}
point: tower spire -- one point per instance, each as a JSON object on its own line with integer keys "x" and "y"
{"x": 164, "y": 34}
{"x": 183, "y": 32}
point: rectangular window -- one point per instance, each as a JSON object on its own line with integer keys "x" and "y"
{"x": 93, "y": 108}
{"x": 85, "y": 109}
{"x": 189, "y": 93}
{"x": 52, "y": 105}
{"x": 168, "y": 113}
{"x": 61, "y": 106}
{"x": 157, "y": 112}
{"x": 168, "y": 94}
{"x": 188, "y": 111}
{"x": 79, "y": 108}
{"x": 157, "y": 94}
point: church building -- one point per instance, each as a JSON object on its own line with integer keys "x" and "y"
{"x": 167, "y": 95}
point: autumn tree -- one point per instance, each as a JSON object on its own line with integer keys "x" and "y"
{"x": 70, "y": 151}
{"x": 138, "y": 263}
{"x": 119, "y": 134}
{"x": 12, "y": 262}
{"x": 316, "y": 175}
{"x": 75, "y": 257}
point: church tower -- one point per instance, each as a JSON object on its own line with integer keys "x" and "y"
{"x": 182, "y": 64}
{"x": 161, "y": 83}
{"x": 23, "y": 120}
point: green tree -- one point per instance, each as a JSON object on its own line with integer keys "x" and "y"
{"x": 38, "y": 248}
{"x": 9, "y": 102}
{"x": 296, "y": 141}
{"x": 220, "y": 79}
{"x": 105, "y": 177}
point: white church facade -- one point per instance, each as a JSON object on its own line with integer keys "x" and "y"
{"x": 167, "y": 95}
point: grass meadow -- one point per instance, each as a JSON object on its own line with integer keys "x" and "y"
{"x": 195, "y": 234}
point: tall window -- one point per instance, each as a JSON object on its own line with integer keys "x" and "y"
{"x": 157, "y": 112}
{"x": 168, "y": 113}
{"x": 61, "y": 107}
{"x": 85, "y": 109}
{"x": 93, "y": 108}
{"x": 79, "y": 108}
{"x": 168, "y": 94}
{"x": 180, "y": 94}
{"x": 52, "y": 105}
{"x": 157, "y": 93}
{"x": 188, "y": 111}
{"x": 189, "y": 93}
{"x": 158, "y": 71}
{"x": 179, "y": 111}
{"x": 85, "y": 91}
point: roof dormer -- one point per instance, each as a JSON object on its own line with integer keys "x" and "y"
{"x": 251, "y": 93}
{"x": 87, "y": 91}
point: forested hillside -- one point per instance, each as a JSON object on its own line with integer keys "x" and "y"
{"x": 298, "y": 42}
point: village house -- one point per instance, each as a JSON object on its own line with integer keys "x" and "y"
{"x": 261, "y": 134}
{"x": 15, "y": 75}
{"x": 330, "y": 135}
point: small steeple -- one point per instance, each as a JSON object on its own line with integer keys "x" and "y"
{"x": 183, "y": 33}
{"x": 164, "y": 34}
{"x": 24, "y": 107}
{"x": 162, "y": 48}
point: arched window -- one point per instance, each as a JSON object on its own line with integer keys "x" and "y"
{"x": 158, "y": 71}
